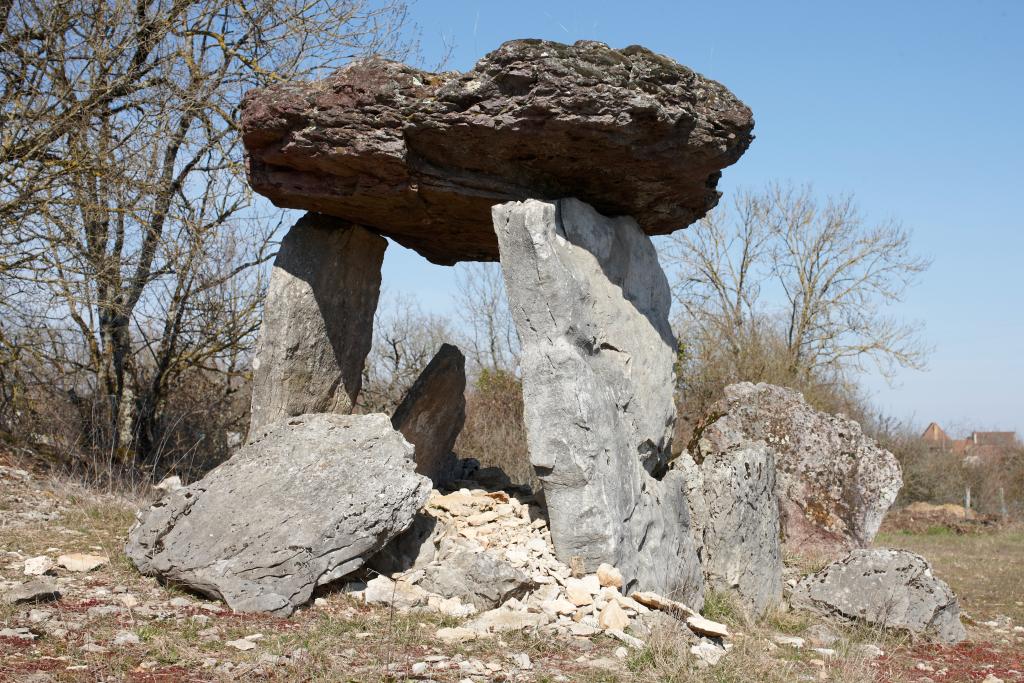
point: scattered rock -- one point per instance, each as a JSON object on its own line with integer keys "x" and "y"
{"x": 694, "y": 621}
{"x": 242, "y": 644}
{"x": 381, "y": 590}
{"x": 612, "y": 617}
{"x": 125, "y": 638}
{"x": 629, "y": 640}
{"x": 172, "y": 483}
{"x": 317, "y": 321}
{"x": 790, "y": 641}
{"x": 422, "y": 157}
{"x": 37, "y": 590}
{"x": 521, "y": 660}
{"x": 591, "y": 303}
{"x": 21, "y": 633}
{"x": 432, "y": 413}
{"x": 357, "y": 488}
{"x": 456, "y": 634}
{"x": 81, "y": 562}
{"x": 821, "y": 635}
{"x": 506, "y": 619}
{"x": 707, "y": 652}
{"x": 578, "y": 593}
{"x": 37, "y": 566}
{"x": 609, "y": 575}
{"x": 868, "y": 650}
{"x": 890, "y": 588}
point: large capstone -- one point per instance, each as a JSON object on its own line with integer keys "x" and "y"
{"x": 421, "y": 157}
{"x": 834, "y": 483}
{"x": 317, "y": 320}
{"x": 307, "y": 501}
{"x": 591, "y": 304}
{"x": 432, "y": 413}
{"x": 889, "y": 588}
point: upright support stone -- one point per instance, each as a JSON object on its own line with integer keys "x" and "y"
{"x": 317, "y": 321}
{"x": 591, "y": 304}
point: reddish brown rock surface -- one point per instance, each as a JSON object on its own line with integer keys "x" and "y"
{"x": 421, "y": 157}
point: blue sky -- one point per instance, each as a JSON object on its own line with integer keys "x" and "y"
{"x": 915, "y": 107}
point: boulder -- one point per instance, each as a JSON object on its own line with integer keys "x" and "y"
{"x": 591, "y": 303}
{"x": 304, "y": 503}
{"x": 421, "y": 157}
{"x": 736, "y": 518}
{"x": 432, "y": 413}
{"x": 834, "y": 483}
{"x": 889, "y": 588}
{"x": 317, "y": 321}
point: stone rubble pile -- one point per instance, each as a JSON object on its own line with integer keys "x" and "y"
{"x": 474, "y": 527}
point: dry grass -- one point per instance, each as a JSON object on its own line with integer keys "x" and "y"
{"x": 985, "y": 570}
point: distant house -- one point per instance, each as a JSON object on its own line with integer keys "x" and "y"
{"x": 978, "y": 444}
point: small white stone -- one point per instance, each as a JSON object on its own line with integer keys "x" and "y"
{"x": 126, "y": 638}
{"x": 37, "y": 566}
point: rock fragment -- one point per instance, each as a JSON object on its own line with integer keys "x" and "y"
{"x": 329, "y": 492}
{"x": 612, "y": 617}
{"x": 696, "y": 623}
{"x": 890, "y": 588}
{"x": 609, "y": 575}
{"x": 37, "y": 590}
{"x": 479, "y": 578}
{"x": 37, "y": 566}
{"x": 81, "y": 562}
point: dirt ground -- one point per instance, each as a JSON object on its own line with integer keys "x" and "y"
{"x": 111, "y": 624}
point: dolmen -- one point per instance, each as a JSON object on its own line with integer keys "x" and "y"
{"x": 560, "y": 162}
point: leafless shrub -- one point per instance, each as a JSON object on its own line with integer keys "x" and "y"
{"x": 131, "y": 255}
{"x": 495, "y": 433}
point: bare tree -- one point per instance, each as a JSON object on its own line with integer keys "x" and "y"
{"x": 130, "y": 245}
{"x": 791, "y": 289}
{"x": 488, "y": 334}
{"x": 404, "y": 340}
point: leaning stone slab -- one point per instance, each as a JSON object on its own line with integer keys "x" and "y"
{"x": 317, "y": 320}
{"x": 590, "y": 303}
{"x": 834, "y": 483}
{"x": 432, "y": 413}
{"x": 304, "y": 503}
{"x": 421, "y": 157}
{"x": 890, "y": 588}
